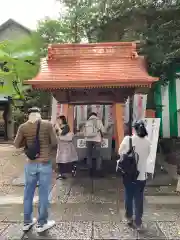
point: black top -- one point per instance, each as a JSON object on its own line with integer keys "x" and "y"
{"x": 65, "y": 129}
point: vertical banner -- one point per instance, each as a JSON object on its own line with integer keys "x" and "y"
{"x": 152, "y": 125}
{"x": 59, "y": 109}
{"x": 109, "y": 118}
{"x": 139, "y": 106}
{"x": 81, "y": 111}
{"x": 54, "y": 110}
{"x": 98, "y": 109}
{"x": 126, "y": 111}
{"x": 75, "y": 109}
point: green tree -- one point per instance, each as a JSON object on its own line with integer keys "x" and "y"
{"x": 154, "y": 23}
{"x": 19, "y": 60}
{"x": 48, "y": 31}
{"x": 161, "y": 44}
{"x": 99, "y": 21}
{"x": 53, "y": 31}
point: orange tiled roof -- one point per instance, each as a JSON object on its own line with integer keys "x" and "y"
{"x": 92, "y": 65}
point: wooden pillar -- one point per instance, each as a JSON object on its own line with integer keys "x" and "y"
{"x": 70, "y": 117}
{"x": 118, "y": 110}
{"x": 150, "y": 113}
{"x": 65, "y": 108}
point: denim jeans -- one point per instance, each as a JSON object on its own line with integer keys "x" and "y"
{"x": 37, "y": 173}
{"x": 94, "y": 153}
{"x": 134, "y": 193}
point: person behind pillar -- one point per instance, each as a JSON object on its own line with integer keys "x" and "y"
{"x": 134, "y": 191}
{"x": 94, "y": 130}
{"x": 38, "y": 170}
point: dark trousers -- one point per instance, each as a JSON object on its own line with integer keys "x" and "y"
{"x": 134, "y": 193}
{"x": 65, "y": 167}
{"x": 94, "y": 154}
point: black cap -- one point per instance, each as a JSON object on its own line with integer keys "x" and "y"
{"x": 34, "y": 110}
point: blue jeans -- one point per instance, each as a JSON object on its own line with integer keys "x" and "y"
{"x": 134, "y": 193}
{"x": 37, "y": 173}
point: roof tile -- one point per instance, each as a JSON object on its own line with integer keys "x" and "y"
{"x": 100, "y": 64}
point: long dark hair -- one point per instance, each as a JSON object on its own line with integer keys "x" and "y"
{"x": 65, "y": 128}
{"x": 63, "y": 119}
{"x": 140, "y": 129}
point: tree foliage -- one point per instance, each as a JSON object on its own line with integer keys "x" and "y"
{"x": 19, "y": 60}
{"x": 53, "y": 31}
{"x": 152, "y": 22}
{"x": 162, "y": 38}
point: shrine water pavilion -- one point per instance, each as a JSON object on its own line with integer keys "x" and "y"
{"x": 98, "y": 73}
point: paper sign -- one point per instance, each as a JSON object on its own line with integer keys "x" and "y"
{"x": 109, "y": 118}
{"x": 81, "y": 143}
{"x": 104, "y": 143}
{"x": 152, "y": 125}
{"x": 81, "y": 114}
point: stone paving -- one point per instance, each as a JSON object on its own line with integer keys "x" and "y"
{"x": 11, "y": 166}
{"x": 93, "y": 209}
{"x": 86, "y": 208}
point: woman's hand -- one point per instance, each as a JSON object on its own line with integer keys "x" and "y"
{"x": 60, "y": 130}
{"x": 56, "y": 127}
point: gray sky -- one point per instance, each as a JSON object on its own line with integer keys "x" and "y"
{"x": 28, "y": 12}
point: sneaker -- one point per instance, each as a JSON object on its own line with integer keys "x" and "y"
{"x": 140, "y": 228}
{"x": 130, "y": 222}
{"x": 74, "y": 171}
{"x": 27, "y": 226}
{"x": 60, "y": 176}
{"x": 45, "y": 227}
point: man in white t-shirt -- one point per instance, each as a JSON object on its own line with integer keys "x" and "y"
{"x": 94, "y": 130}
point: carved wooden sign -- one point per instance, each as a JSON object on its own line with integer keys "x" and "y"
{"x": 55, "y": 53}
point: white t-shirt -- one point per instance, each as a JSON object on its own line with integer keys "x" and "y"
{"x": 98, "y": 137}
{"x": 142, "y": 148}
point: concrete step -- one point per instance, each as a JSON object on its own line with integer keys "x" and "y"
{"x": 162, "y": 179}
{"x": 161, "y": 200}
{"x": 161, "y": 191}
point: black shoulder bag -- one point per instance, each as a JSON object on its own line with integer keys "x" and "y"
{"x": 33, "y": 151}
{"x": 128, "y": 165}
